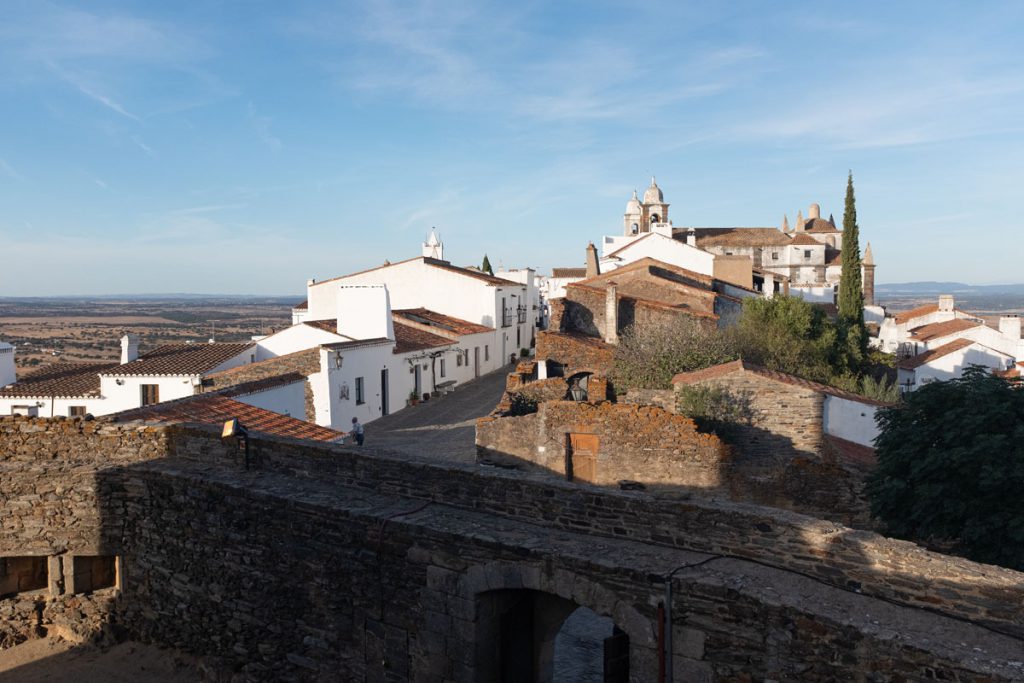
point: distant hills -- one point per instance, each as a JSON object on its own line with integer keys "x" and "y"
{"x": 915, "y": 288}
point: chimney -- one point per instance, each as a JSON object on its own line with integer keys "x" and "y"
{"x": 593, "y": 268}
{"x": 611, "y": 314}
{"x": 8, "y": 375}
{"x": 946, "y": 303}
{"x": 691, "y": 237}
{"x": 813, "y": 211}
{"x": 1009, "y": 326}
{"x": 129, "y": 348}
{"x": 364, "y": 312}
{"x": 799, "y": 221}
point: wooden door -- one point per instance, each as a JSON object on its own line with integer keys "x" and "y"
{"x": 582, "y": 460}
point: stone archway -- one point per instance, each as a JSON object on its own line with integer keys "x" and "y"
{"x": 516, "y": 612}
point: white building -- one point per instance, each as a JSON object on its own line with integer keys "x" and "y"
{"x": 74, "y": 389}
{"x": 949, "y": 361}
{"x": 921, "y": 329}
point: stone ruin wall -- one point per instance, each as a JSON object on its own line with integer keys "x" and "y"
{"x": 274, "y": 572}
{"x": 639, "y": 443}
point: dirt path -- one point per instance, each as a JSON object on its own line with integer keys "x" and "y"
{"x": 51, "y": 659}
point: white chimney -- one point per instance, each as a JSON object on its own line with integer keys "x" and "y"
{"x": 611, "y": 314}
{"x": 691, "y": 237}
{"x": 1009, "y": 326}
{"x": 8, "y": 375}
{"x": 813, "y": 211}
{"x": 946, "y": 303}
{"x": 364, "y": 312}
{"x": 129, "y": 348}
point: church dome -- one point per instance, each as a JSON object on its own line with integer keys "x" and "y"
{"x": 652, "y": 195}
{"x": 633, "y": 205}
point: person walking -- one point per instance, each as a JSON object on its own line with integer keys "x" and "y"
{"x": 357, "y": 431}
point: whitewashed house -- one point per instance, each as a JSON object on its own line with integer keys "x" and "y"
{"x": 167, "y": 373}
{"x": 949, "y": 361}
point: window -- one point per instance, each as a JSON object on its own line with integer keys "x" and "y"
{"x": 76, "y": 411}
{"x": 19, "y": 574}
{"x": 458, "y": 359}
{"x": 775, "y": 256}
{"x": 92, "y": 572}
{"x": 360, "y": 398}
{"x": 487, "y": 352}
{"x": 150, "y": 394}
{"x": 807, "y": 254}
{"x": 519, "y": 336}
{"x": 442, "y": 367}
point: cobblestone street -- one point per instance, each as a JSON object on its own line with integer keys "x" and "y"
{"x": 442, "y": 428}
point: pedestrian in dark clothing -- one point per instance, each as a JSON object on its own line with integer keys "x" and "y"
{"x": 357, "y": 431}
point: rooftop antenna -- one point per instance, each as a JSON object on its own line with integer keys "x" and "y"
{"x": 213, "y": 331}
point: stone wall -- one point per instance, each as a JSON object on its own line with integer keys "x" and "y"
{"x": 320, "y": 562}
{"x": 785, "y": 420}
{"x": 638, "y": 443}
{"x": 575, "y": 352}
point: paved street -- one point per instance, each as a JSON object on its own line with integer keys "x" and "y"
{"x": 442, "y": 428}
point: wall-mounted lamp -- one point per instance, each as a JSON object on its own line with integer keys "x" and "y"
{"x": 338, "y": 359}
{"x": 119, "y": 382}
{"x": 233, "y": 429}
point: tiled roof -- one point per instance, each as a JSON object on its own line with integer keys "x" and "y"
{"x": 806, "y": 240}
{"x": 819, "y": 225}
{"x": 262, "y": 384}
{"x": 930, "y": 355}
{"x": 855, "y": 453}
{"x": 906, "y": 316}
{"x": 60, "y": 379}
{"x": 569, "y": 272}
{"x": 409, "y": 338}
{"x": 217, "y": 409}
{"x": 356, "y": 343}
{"x": 445, "y": 322}
{"x": 735, "y": 237}
{"x": 301, "y": 307}
{"x": 180, "y": 359}
{"x": 725, "y": 369}
{"x": 477, "y": 274}
{"x": 325, "y": 325}
{"x": 833, "y": 256}
{"x": 942, "y": 329}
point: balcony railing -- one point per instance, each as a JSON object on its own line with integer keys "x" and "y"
{"x": 521, "y": 311}
{"x": 507, "y": 317}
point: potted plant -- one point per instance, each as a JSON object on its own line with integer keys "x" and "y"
{"x": 413, "y": 398}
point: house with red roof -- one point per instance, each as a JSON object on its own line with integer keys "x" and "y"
{"x": 948, "y": 361}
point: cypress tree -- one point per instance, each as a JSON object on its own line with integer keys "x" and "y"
{"x": 486, "y": 266}
{"x": 851, "y": 295}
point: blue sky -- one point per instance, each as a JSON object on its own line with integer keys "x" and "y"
{"x": 244, "y": 147}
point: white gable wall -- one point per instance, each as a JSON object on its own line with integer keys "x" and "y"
{"x": 292, "y": 339}
{"x": 850, "y": 420}
{"x": 288, "y": 399}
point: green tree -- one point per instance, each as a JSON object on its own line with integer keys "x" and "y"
{"x": 951, "y": 467}
{"x": 486, "y": 266}
{"x": 852, "y": 333}
{"x": 787, "y": 334}
{"x": 649, "y": 356}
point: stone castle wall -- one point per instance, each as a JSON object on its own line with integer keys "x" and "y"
{"x": 319, "y": 562}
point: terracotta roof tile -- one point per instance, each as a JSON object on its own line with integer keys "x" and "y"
{"x": 735, "y": 237}
{"x": 931, "y": 354}
{"x": 479, "y": 275}
{"x": 819, "y": 225}
{"x": 855, "y": 453}
{"x": 943, "y": 329}
{"x": 716, "y": 371}
{"x": 217, "y": 409}
{"x": 569, "y": 272}
{"x": 301, "y": 307}
{"x": 180, "y": 359}
{"x": 805, "y": 241}
{"x": 60, "y": 379}
{"x": 906, "y": 316}
{"x": 263, "y": 384}
{"x": 410, "y": 338}
{"x": 325, "y": 325}
{"x": 448, "y": 323}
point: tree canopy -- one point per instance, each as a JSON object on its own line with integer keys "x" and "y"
{"x": 486, "y": 266}
{"x": 951, "y": 467}
{"x": 853, "y": 335}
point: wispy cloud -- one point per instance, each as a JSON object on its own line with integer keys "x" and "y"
{"x": 261, "y": 126}
{"x": 9, "y": 171}
{"x": 138, "y": 142}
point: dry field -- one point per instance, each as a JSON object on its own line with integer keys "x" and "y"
{"x": 50, "y": 330}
